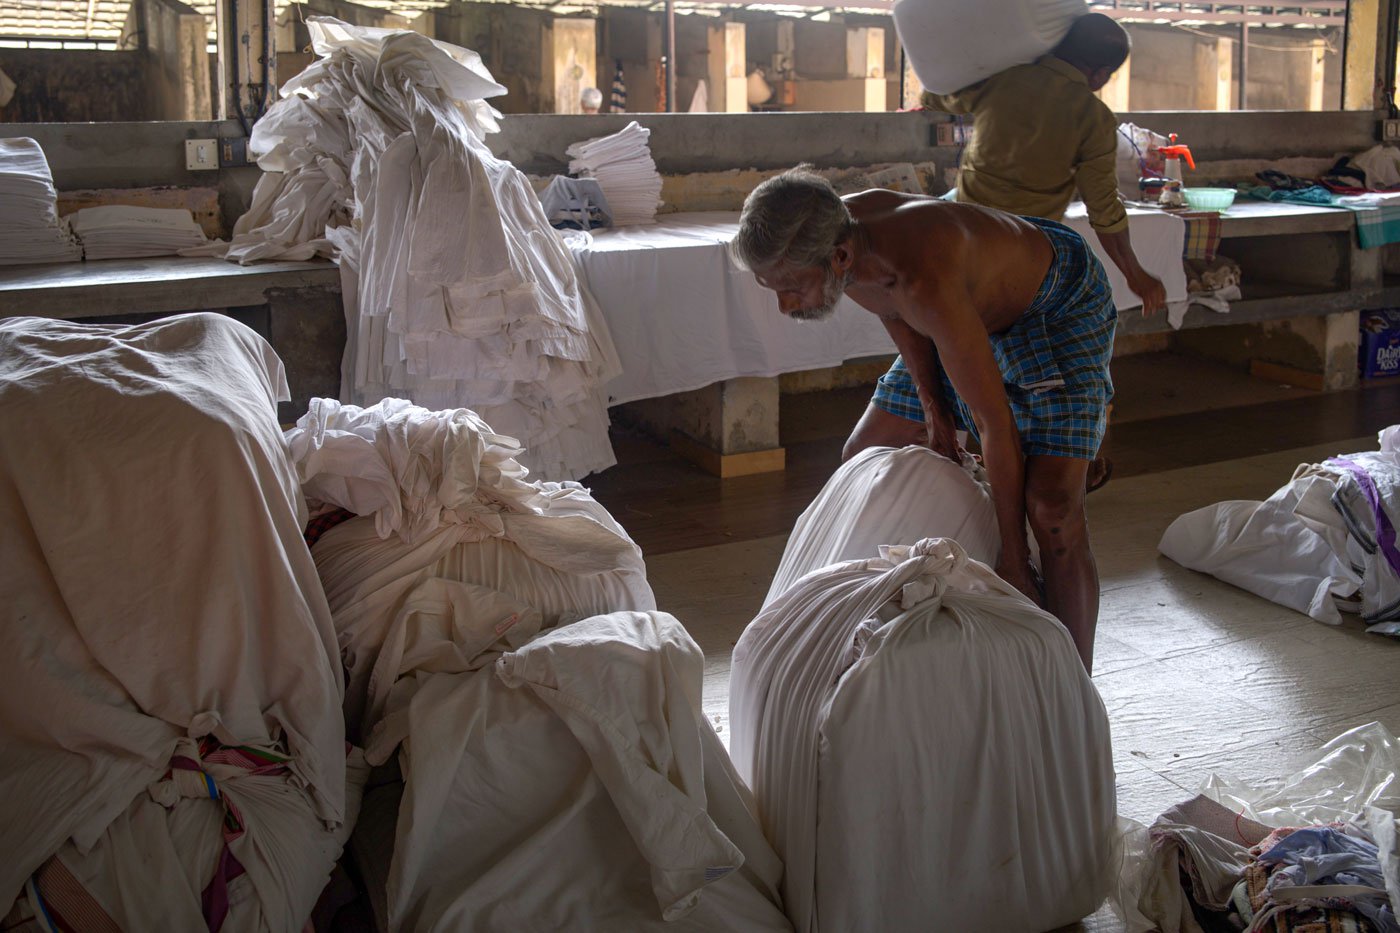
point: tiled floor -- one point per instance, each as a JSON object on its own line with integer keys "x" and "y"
{"x": 1198, "y": 676}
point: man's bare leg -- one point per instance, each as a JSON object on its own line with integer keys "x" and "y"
{"x": 1055, "y": 508}
{"x": 879, "y": 428}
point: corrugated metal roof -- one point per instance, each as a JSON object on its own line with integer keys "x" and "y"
{"x": 71, "y": 19}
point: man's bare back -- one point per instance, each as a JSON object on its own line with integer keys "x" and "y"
{"x": 939, "y": 251}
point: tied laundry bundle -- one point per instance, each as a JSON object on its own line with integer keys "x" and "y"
{"x": 32, "y": 231}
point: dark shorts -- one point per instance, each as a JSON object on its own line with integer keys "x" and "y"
{"x": 1053, "y": 360}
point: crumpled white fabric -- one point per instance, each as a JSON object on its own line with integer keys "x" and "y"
{"x": 885, "y": 495}
{"x": 577, "y": 786}
{"x": 914, "y": 710}
{"x": 457, "y": 291}
{"x": 156, "y": 582}
{"x": 1311, "y": 546}
{"x": 439, "y": 494}
{"x": 154, "y": 860}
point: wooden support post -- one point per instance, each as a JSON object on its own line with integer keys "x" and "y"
{"x": 1224, "y": 74}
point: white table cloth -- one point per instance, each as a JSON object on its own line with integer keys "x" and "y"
{"x": 683, "y": 316}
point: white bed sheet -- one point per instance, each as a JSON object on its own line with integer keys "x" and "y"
{"x": 683, "y": 316}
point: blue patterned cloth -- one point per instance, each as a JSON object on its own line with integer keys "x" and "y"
{"x": 1053, "y": 360}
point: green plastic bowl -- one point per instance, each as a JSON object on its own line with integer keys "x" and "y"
{"x": 1208, "y": 199}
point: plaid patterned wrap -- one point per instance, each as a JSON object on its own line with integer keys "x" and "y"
{"x": 1202, "y": 235}
{"x": 1053, "y": 361}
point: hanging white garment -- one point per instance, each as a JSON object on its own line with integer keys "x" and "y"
{"x": 1322, "y": 543}
{"x": 925, "y": 749}
{"x": 884, "y": 495}
{"x": 457, "y": 291}
{"x": 157, "y": 590}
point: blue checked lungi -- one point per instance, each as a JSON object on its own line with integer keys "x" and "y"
{"x": 1053, "y": 360}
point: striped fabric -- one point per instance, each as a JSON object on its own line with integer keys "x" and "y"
{"x": 619, "y": 91}
{"x": 1053, "y": 361}
{"x": 1202, "y": 235}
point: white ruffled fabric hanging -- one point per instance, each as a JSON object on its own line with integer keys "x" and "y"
{"x": 457, "y": 291}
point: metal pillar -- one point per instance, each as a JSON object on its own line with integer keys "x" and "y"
{"x": 670, "y": 56}
{"x": 1244, "y": 66}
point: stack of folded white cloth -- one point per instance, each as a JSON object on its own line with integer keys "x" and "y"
{"x": 120, "y": 231}
{"x": 31, "y": 230}
{"x": 623, "y": 166}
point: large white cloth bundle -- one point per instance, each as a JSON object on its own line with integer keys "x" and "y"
{"x": 925, "y": 749}
{"x": 955, "y": 43}
{"x": 884, "y": 495}
{"x": 575, "y": 783}
{"x": 440, "y": 495}
{"x": 1322, "y": 543}
{"x": 157, "y": 592}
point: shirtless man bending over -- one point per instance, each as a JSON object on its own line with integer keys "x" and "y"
{"x": 1006, "y": 327}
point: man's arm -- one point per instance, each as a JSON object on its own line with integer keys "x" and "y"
{"x": 966, "y": 355}
{"x": 1096, "y": 177}
{"x": 921, "y": 360}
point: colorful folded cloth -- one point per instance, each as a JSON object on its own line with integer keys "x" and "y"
{"x": 1202, "y": 235}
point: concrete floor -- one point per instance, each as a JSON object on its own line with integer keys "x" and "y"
{"x": 1198, "y": 676}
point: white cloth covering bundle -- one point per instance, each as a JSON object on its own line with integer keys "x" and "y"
{"x": 623, "y": 166}
{"x": 481, "y": 619}
{"x": 925, "y": 749}
{"x": 31, "y": 230}
{"x": 1322, "y": 543}
{"x": 159, "y": 594}
{"x": 882, "y": 496}
{"x": 121, "y": 231}
{"x": 439, "y": 494}
{"x": 457, "y": 291}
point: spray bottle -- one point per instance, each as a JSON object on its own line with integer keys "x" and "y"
{"x": 1172, "y": 154}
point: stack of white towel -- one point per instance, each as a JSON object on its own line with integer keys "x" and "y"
{"x": 31, "y": 230}
{"x": 120, "y": 231}
{"x": 623, "y": 166}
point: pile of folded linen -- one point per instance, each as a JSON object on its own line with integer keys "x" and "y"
{"x": 457, "y": 291}
{"x": 623, "y": 167}
{"x": 121, "y": 231}
{"x": 32, "y": 231}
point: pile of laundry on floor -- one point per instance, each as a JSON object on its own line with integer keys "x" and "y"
{"x": 171, "y": 737}
{"x": 458, "y": 293}
{"x": 887, "y": 700}
{"x": 1316, "y": 850}
{"x": 1322, "y": 544}
{"x": 32, "y": 230}
{"x": 510, "y": 675}
{"x": 121, "y": 231}
{"x": 623, "y": 167}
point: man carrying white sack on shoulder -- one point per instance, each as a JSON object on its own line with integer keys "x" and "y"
{"x": 1006, "y": 326}
{"x": 1039, "y": 133}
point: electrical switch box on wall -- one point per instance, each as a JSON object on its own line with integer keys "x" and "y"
{"x": 201, "y": 154}
{"x": 951, "y": 134}
{"x": 1390, "y": 130}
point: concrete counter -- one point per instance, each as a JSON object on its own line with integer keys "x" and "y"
{"x": 159, "y": 285}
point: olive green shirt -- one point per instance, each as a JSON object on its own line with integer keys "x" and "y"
{"x": 1038, "y": 134}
